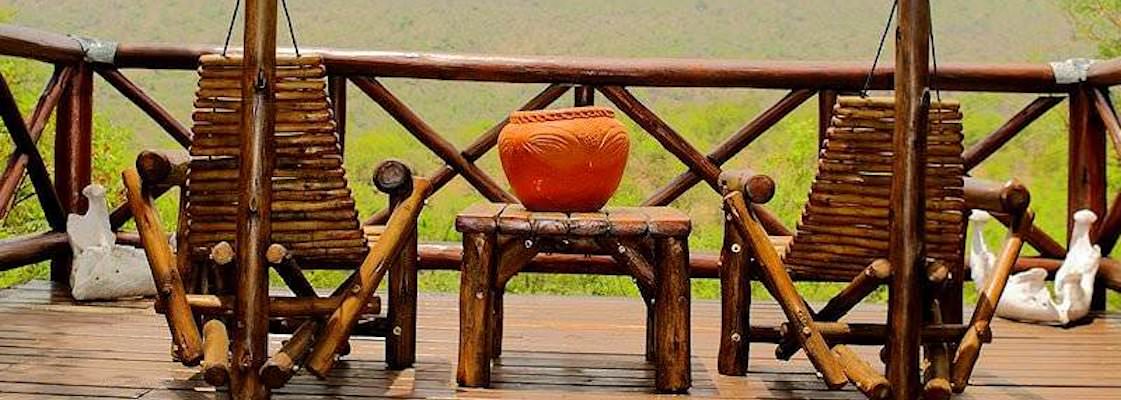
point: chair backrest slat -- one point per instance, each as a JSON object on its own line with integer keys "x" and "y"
{"x": 313, "y": 212}
{"x": 844, "y": 223}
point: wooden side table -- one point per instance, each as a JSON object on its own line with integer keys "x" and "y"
{"x": 648, "y": 243}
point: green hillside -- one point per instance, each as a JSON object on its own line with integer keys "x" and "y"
{"x": 1005, "y": 31}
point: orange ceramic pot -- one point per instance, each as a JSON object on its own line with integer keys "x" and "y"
{"x": 568, "y": 160}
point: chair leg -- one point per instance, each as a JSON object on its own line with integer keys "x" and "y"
{"x": 185, "y": 337}
{"x": 970, "y": 347}
{"x": 781, "y": 286}
{"x": 735, "y": 303}
{"x": 860, "y": 287}
{"x": 475, "y": 310}
{"x": 400, "y": 343}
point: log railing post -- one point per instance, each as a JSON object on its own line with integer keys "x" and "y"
{"x": 907, "y": 250}
{"x": 16, "y": 165}
{"x": 73, "y": 152}
{"x": 1086, "y": 180}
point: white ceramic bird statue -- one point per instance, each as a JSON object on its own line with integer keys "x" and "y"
{"x": 91, "y": 229}
{"x": 981, "y": 260}
{"x": 1025, "y": 297}
{"x": 102, "y": 269}
{"x": 1074, "y": 281}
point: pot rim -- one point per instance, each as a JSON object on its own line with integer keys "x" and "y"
{"x": 560, "y": 114}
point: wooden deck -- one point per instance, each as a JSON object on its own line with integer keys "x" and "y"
{"x": 570, "y": 347}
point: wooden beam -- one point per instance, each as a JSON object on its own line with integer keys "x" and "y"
{"x": 1086, "y": 174}
{"x": 1105, "y": 73}
{"x": 17, "y": 162}
{"x": 172, "y": 296}
{"x": 36, "y": 167}
{"x": 73, "y": 152}
{"x": 39, "y": 45}
{"x": 1012, "y": 77}
{"x": 479, "y": 147}
{"x": 428, "y": 136}
{"x": 981, "y": 150}
{"x": 732, "y": 146}
{"x": 907, "y": 250}
{"x": 1104, "y": 108}
{"x": 145, "y": 103}
{"x": 777, "y": 281}
{"x": 682, "y": 72}
{"x": 385, "y": 250}
{"x": 970, "y": 347}
{"x": 258, "y": 122}
{"x": 1110, "y": 228}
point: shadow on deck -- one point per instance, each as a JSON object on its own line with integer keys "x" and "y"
{"x": 570, "y": 347}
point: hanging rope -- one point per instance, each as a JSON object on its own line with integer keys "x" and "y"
{"x": 879, "y": 50}
{"x": 233, "y": 19}
{"x": 291, "y": 31}
{"x": 934, "y": 69}
{"x": 230, "y": 30}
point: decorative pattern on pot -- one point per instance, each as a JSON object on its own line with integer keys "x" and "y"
{"x": 568, "y": 160}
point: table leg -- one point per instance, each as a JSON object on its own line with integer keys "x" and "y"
{"x": 476, "y": 310}
{"x": 651, "y": 330}
{"x": 496, "y": 322}
{"x": 673, "y": 369}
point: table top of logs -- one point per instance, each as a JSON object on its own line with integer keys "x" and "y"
{"x": 513, "y": 219}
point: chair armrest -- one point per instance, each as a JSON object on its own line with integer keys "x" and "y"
{"x": 394, "y": 178}
{"x": 1010, "y": 197}
{"x": 161, "y": 168}
{"x": 758, "y": 188}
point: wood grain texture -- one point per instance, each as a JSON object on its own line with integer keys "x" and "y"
{"x": 550, "y": 354}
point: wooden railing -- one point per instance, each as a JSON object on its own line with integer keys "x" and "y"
{"x": 1093, "y": 121}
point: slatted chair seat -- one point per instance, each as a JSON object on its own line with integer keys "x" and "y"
{"x": 313, "y": 212}
{"x": 844, "y": 222}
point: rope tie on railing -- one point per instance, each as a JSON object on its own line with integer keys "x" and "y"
{"x": 96, "y": 50}
{"x": 1073, "y": 70}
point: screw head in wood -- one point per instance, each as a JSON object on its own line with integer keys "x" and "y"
{"x": 806, "y": 331}
{"x": 736, "y": 337}
{"x": 479, "y": 295}
{"x": 528, "y": 243}
{"x": 397, "y": 331}
{"x": 736, "y": 248}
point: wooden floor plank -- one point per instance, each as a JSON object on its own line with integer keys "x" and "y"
{"x": 52, "y": 347}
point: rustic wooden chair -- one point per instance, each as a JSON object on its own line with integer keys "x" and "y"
{"x": 843, "y": 236}
{"x": 314, "y": 225}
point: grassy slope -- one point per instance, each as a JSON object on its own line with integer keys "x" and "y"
{"x": 1020, "y": 30}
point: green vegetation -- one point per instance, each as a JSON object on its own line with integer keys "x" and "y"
{"x": 1007, "y": 31}
{"x": 1098, "y": 20}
